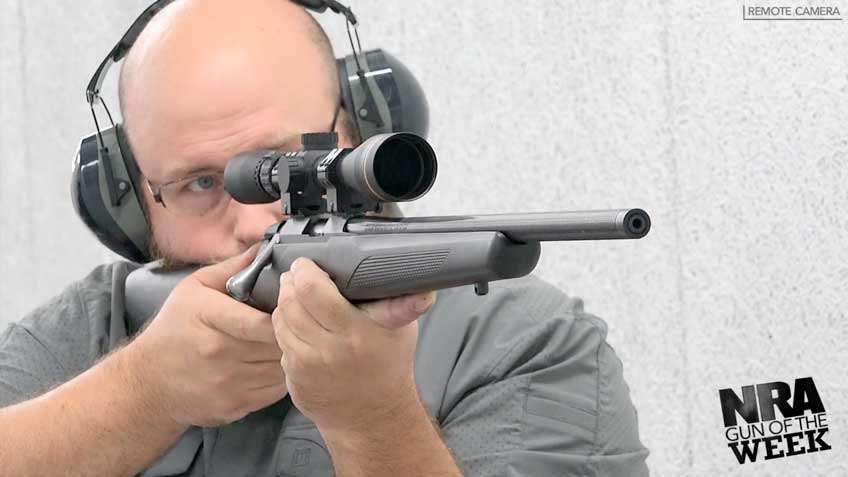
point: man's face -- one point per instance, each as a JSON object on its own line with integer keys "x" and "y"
{"x": 197, "y": 113}
{"x": 199, "y": 153}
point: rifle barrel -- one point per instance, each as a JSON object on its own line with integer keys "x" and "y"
{"x": 527, "y": 227}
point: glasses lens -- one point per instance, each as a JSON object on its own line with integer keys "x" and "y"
{"x": 196, "y": 195}
{"x": 204, "y": 193}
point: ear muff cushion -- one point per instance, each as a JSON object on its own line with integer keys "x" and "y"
{"x": 129, "y": 162}
{"x": 134, "y": 211}
{"x": 346, "y": 95}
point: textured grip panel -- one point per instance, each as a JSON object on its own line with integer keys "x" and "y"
{"x": 380, "y": 270}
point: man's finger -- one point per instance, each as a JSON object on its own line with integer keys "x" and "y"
{"x": 263, "y": 374}
{"x": 267, "y": 395}
{"x": 298, "y": 318}
{"x": 254, "y": 353}
{"x": 400, "y": 311}
{"x": 320, "y": 296}
{"x": 216, "y": 276}
{"x": 238, "y": 320}
{"x": 288, "y": 341}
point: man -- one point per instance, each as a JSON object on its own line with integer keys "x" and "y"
{"x": 519, "y": 382}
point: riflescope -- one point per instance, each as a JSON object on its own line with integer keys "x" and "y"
{"x": 322, "y": 178}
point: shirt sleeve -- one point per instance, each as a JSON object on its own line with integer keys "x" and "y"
{"x": 57, "y": 340}
{"x": 26, "y": 367}
{"x": 551, "y": 401}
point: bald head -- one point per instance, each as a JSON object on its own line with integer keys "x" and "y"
{"x": 222, "y": 44}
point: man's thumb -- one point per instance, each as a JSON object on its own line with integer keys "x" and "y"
{"x": 215, "y": 276}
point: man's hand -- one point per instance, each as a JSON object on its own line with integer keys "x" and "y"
{"x": 210, "y": 359}
{"x": 346, "y": 367}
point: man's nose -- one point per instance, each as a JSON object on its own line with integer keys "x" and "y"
{"x": 251, "y": 221}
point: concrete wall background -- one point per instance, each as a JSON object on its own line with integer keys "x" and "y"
{"x": 732, "y": 134}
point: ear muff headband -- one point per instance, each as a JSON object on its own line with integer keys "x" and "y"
{"x": 380, "y": 94}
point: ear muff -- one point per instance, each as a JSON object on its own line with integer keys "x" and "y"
{"x": 106, "y": 195}
{"x": 399, "y": 103}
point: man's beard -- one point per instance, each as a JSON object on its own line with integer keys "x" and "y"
{"x": 167, "y": 261}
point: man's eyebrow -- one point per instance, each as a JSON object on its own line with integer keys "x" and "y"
{"x": 183, "y": 172}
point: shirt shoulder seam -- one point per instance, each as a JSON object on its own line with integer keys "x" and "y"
{"x": 83, "y": 311}
{"x": 40, "y": 343}
{"x": 595, "y": 444}
{"x": 512, "y": 348}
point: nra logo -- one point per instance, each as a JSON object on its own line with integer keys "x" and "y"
{"x": 779, "y": 420}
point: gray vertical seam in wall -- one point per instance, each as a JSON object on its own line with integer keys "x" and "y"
{"x": 24, "y": 91}
{"x": 674, "y": 200}
{"x": 22, "y": 33}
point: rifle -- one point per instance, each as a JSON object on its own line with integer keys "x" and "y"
{"x": 328, "y": 192}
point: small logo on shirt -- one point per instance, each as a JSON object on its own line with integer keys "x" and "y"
{"x": 801, "y": 428}
{"x": 301, "y": 457}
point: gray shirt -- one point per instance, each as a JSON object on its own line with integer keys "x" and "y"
{"x": 521, "y": 382}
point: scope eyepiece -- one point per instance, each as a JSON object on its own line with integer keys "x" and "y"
{"x": 251, "y": 177}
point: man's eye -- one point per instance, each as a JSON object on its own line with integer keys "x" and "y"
{"x": 202, "y": 184}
